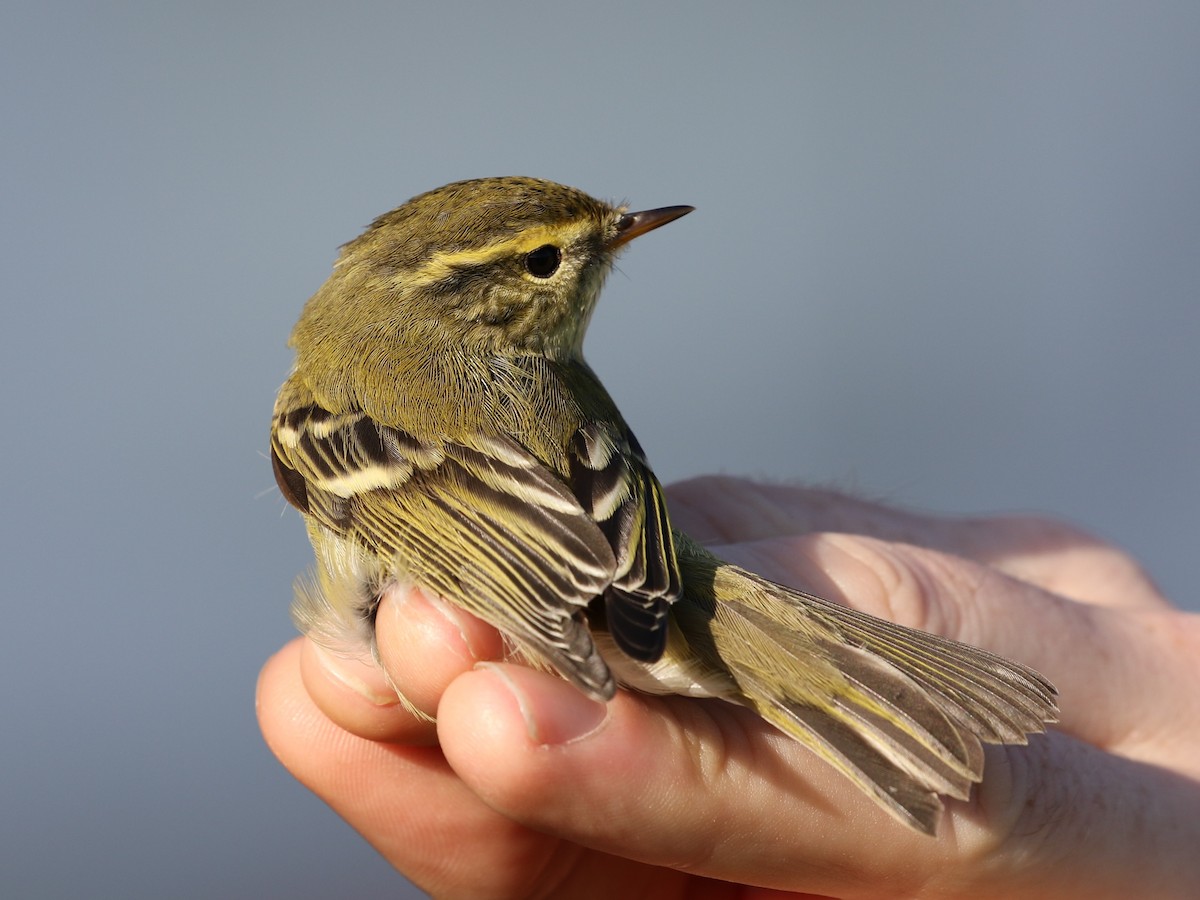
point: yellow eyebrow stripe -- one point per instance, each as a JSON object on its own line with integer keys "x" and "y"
{"x": 444, "y": 263}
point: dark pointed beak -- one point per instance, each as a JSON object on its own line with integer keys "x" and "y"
{"x": 635, "y": 224}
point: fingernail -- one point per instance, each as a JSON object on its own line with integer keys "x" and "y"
{"x": 554, "y": 711}
{"x": 365, "y": 679}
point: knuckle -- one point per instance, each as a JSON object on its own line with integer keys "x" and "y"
{"x": 910, "y": 585}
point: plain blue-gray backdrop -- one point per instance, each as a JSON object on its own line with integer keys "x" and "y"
{"x": 944, "y": 254}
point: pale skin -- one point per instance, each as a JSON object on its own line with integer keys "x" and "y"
{"x": 526, "y": 788}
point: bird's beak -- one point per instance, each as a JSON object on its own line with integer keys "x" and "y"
{"x": 635, "y": 224}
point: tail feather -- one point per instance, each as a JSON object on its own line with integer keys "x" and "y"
{"x": 899, "y": 712}
{"x": 875, "y": 725}
{"x": 1001, "y": 701}
{"x": 894, "y": 715}
{"x": 844, "y": 748}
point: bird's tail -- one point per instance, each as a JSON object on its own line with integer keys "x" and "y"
{"x": 898, "y": 711}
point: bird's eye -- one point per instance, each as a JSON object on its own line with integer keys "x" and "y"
{"x": 544, "y": 261}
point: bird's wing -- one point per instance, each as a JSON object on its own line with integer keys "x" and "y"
{"x": 482, "y": 523}
{"x": 610, "y": 477}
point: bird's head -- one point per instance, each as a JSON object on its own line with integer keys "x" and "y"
{"x": 491, "y": 265}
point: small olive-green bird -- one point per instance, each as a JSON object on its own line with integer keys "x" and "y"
{"x": 441, "y": 428}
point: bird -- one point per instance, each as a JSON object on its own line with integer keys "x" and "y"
{"x": 441, "y": 428}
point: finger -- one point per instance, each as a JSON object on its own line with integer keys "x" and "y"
{"x": 1057, "y": 557}
{"x": 669, "y": 782}
{"x": 405, "y": 801}
{"x": 718, "y": 793}
{"x": 353, "y": 693}
{"x": 1053, "y": 555}
{"x": 424, "y": 643}
{"x": 1106, "y": 665}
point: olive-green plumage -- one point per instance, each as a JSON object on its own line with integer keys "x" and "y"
{"x": 441, "y": 428}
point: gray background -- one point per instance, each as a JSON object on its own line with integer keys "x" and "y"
{"x": 944, "y": 254}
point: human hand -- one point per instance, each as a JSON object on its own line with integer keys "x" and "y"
{"x": 526, "y": 788}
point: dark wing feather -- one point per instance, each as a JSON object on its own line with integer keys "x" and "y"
{"x": 484, "y": 524}
{"x": 612, "y": 480}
